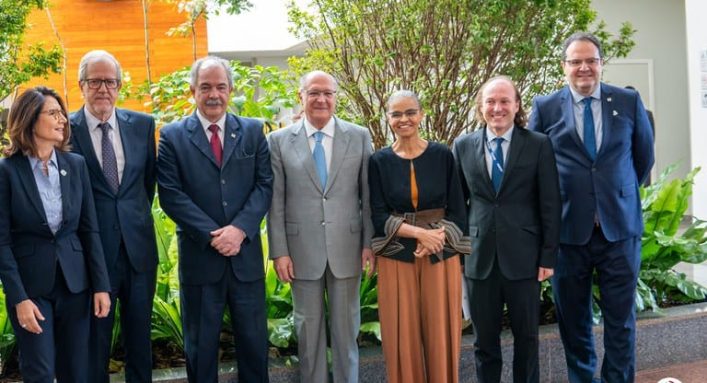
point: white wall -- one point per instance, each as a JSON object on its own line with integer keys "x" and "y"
{"x": 657, "y": 67}
{"x": 696, "y": 27}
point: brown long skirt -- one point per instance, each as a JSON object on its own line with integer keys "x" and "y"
{"x": 419, "y": 306}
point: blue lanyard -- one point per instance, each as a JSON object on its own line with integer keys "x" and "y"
{"x": 494, "y": 160}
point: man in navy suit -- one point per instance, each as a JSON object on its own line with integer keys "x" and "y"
{"x": 215, "y": 182}
{"x": 604, "y": 150}
{"x": 119, "y": 148}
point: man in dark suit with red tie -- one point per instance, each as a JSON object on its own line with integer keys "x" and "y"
{"x": 215, "y": 182}
{"x": 604, "y": 149}
{"x": 119, "y": 148}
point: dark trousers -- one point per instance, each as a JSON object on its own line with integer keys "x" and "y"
{"x": 135, "y": 292}
{"x": 522, "y": 297}
{"x": 61, "y": 349}
{"x": 202, "y": 315}
{"x": 616, "y": 265}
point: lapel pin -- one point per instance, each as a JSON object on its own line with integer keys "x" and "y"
{"x": 616, "y": 113}
{"x": 62, "y": 172}
{"x": 608, "y": 99}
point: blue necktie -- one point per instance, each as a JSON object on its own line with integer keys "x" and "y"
{"x": 320, "y": 158}
{"x": 110, "y": 163}
{"x": 590, "y": 141}
{"x": 497, "y": 164}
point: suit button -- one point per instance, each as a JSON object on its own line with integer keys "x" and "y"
{"x": 323, "y": 223}
{"x": 495, "y": 205}
{"x": 223, "y": 182}
{"x": 225, "y": 203}
{"x": 324, "y": 199}
{"x": 594, "y": 169}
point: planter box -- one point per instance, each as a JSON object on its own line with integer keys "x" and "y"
{"x": 674, "y": 336}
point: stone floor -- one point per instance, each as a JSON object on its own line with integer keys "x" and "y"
{"x": 695, "y": 372}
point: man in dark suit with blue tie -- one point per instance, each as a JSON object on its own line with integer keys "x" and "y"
{"x": 215, "y": 182}
{"x": 119, "y": 148}
{"x": 509, "y": 179}
{"x": 604, "y": 150}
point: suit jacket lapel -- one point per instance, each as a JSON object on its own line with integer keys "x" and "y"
{"x": 607, "y": 118}
{"x": 198, "y": 138}
{"x": 127, "y": 133}
{"x": 479, "y": 144}
{"x": 339, "y": 149}
{"x": 65, "y": 175}
{"x": 568, "y": 117}
{"x": 231, "y": 137}
{"x": 30, "y": 185}
{"x": 516, "y": 148}
{"x": 83, "y": 138}
{"x": 300, "y": 144}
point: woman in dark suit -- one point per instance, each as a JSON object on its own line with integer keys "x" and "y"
{"x": 51, "y": 260}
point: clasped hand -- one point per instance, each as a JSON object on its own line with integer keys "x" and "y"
{"x": 429, "y": 241}
{"x": 227, "y": 240}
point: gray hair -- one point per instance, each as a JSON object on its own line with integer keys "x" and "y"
{"x": 581, "y": 36}
{"x": 402, "y": 93}
{"x": 98, "y": 55}
{"x": 208, "y": 61}
{"x": 308, "y": 76}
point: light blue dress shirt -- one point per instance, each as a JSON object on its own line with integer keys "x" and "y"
{"x": 578, "y": 108}
{"x": 491, "y": 146}
{"x": 49, "y": 188}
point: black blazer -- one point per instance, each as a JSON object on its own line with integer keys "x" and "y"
{"x": 521, "y": 224}
{"x": 126, "y": 214}
{"x": 29, "y": 252}
{"x": 201, "y": 197}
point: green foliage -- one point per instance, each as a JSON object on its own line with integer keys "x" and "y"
{"x": 259, "y": 91}
{"x": 166, "y": 311}
{"x": 18, "y": 64}
{"x": 664, "y": 245}
{"x": 442, "y": 49}
{"x": 369, "y": 306}
{"x": 7, "y": 335}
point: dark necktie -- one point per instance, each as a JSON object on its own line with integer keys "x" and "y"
{"x": 110, "y": 163}
{"x": 216, "y": 144}
{"x": 497, "y": 164}
{"x": 590, "y": 141}
{"x": 320, "y": 158}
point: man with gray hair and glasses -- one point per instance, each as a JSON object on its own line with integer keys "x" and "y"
{"x": 119, "y": 148}
{"x": 215, "y": 182}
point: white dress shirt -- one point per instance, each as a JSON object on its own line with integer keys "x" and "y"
{"x": 206, "y": 123}
{"x": 327, "y": 140}
{"x": 114, "y": 134}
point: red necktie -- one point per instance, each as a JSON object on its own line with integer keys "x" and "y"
{"x": 216, "y": 143}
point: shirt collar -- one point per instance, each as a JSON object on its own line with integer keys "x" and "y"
{"x": 92, "y": 122}
{"x": 577, "y": 98}
{"x": 206, "y": 123}
{"x": 490, "y": 136}
{"x": 328, "y": 129}
{"x": 35, "y": 162}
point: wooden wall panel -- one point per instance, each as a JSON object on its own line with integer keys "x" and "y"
{"x": 116, "y": 26}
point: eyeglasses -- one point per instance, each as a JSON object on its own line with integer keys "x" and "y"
{"x": 589, "y": 62}
{"x": 315, "y": 94}
{"x": 410, "y": 113}
{"x": 95, "y": 83}
{"x": 58, "y": 114}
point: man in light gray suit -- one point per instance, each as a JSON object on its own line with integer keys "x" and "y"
{"x": 319, "y": 227}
